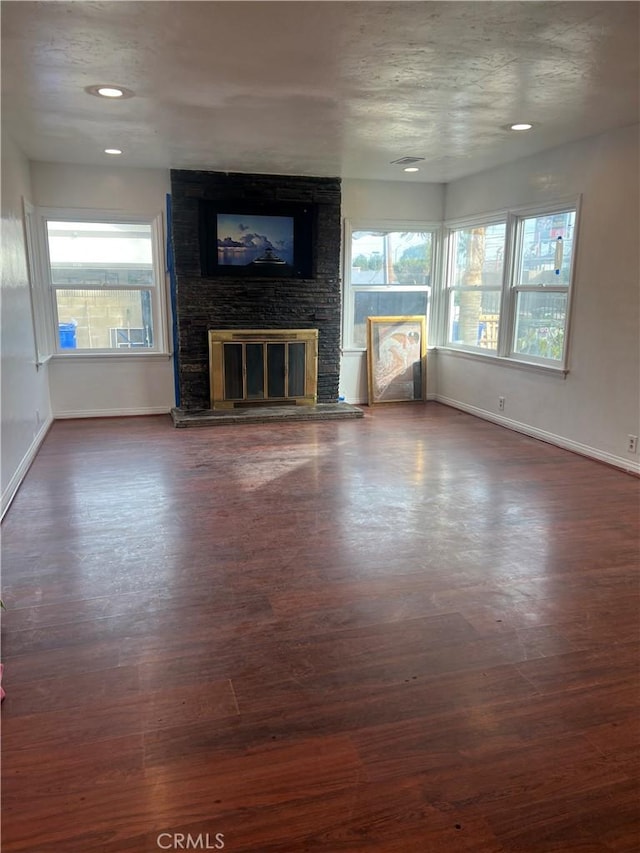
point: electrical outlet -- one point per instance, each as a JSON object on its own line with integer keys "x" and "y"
{"x": 632, "y": 443}
{"x": 501, "y": 404}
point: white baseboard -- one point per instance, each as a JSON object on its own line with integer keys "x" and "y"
{"x": 14, "y": 484}
{"x": 113, "y": 413}
{"x": 365, "y": 402}
{"x": 628, "y": 465}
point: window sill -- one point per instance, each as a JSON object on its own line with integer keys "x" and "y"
{"x": 519, "y": 364}
{"x": 79, "y": 355}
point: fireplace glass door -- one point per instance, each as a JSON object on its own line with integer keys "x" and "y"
{"x": 258, "y": 367}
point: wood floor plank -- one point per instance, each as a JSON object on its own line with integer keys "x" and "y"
{"x": 117, "y": 716}
{"x": 38, "y": 774}
{"x": 576, "y": 816}
{"x": 413, "y": 632}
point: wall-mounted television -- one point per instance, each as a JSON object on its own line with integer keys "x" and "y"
{"x": 262, "y": 239}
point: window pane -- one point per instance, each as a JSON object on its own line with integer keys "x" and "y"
{"x": 391, "y": 257}
{"x": 84, "y": 254}
{"x": 104, "y": 319}
{"x": 376, "y": 304}
{"x": 540, "y": 324}
{"x": 478, "y": 257}
{"x": 99, "y": 242}
{"x": 547, "y": 246}
{"x": 474, "y": 317}
{"x": 477, "y": 261}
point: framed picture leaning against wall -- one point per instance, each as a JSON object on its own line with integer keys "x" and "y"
{"x": 396, "y": 359}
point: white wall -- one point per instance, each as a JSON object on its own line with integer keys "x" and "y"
{"x": 597, "y": 406}
{"x": 386, "y": 200}
{"x": 393, "y": 200}
{"x": 90, "y": 386}
{"x": 26, "y": 410}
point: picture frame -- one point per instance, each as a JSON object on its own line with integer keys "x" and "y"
{"x": 256, "y": 240}
{"x": 396, "y": 359}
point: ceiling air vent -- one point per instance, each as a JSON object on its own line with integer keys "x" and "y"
{"x": 406, "y": 161}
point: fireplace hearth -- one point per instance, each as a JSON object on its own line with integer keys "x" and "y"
{"x": 264, "y": 415}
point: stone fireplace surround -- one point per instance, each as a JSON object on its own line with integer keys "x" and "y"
{"x": 204, "y": 303}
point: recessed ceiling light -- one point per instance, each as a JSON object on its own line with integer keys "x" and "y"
{"x": 521, "y": 126}
{"x": 412, "y": 169}
{"x": 109, "y": 92}
{"x": 104, "y": 91}
{"x": 112, "y": 151}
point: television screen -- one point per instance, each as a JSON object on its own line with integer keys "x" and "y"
{"x": 267, "y": 239}
{"x": 244, "y": 240}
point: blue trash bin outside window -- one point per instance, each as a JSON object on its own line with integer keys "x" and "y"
{"x": 67, "y": 334}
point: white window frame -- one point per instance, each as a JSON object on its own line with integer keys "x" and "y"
{"x": 511, "y": 292}
{"x": 505, "y": 352}
{"x": 39, "y": 294}
{"x": 158, "y": 291}
{"x": 496, "y": 218}
{"x": 349, "y": 290}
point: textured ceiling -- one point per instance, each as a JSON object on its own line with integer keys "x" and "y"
{"x": 316, "y": 88}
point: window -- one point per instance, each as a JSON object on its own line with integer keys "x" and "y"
{"x": 544, "y": 252}
{"x": 106, "y": 283}
{"x": 387, "y": 273}
{"x": 474, "y": 285}
{"x": 507, "y": 285}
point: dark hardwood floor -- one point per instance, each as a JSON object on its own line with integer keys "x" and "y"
{"x": 413, "y": 632}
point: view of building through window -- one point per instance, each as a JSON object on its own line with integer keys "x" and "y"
{"x": 103, "y": 278}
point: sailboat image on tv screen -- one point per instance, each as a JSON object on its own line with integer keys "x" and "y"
{"x": 269, "y": 257}
{"x": 255, "y": 241}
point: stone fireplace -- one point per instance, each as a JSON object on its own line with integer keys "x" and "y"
{"x": 210, "y": 302}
